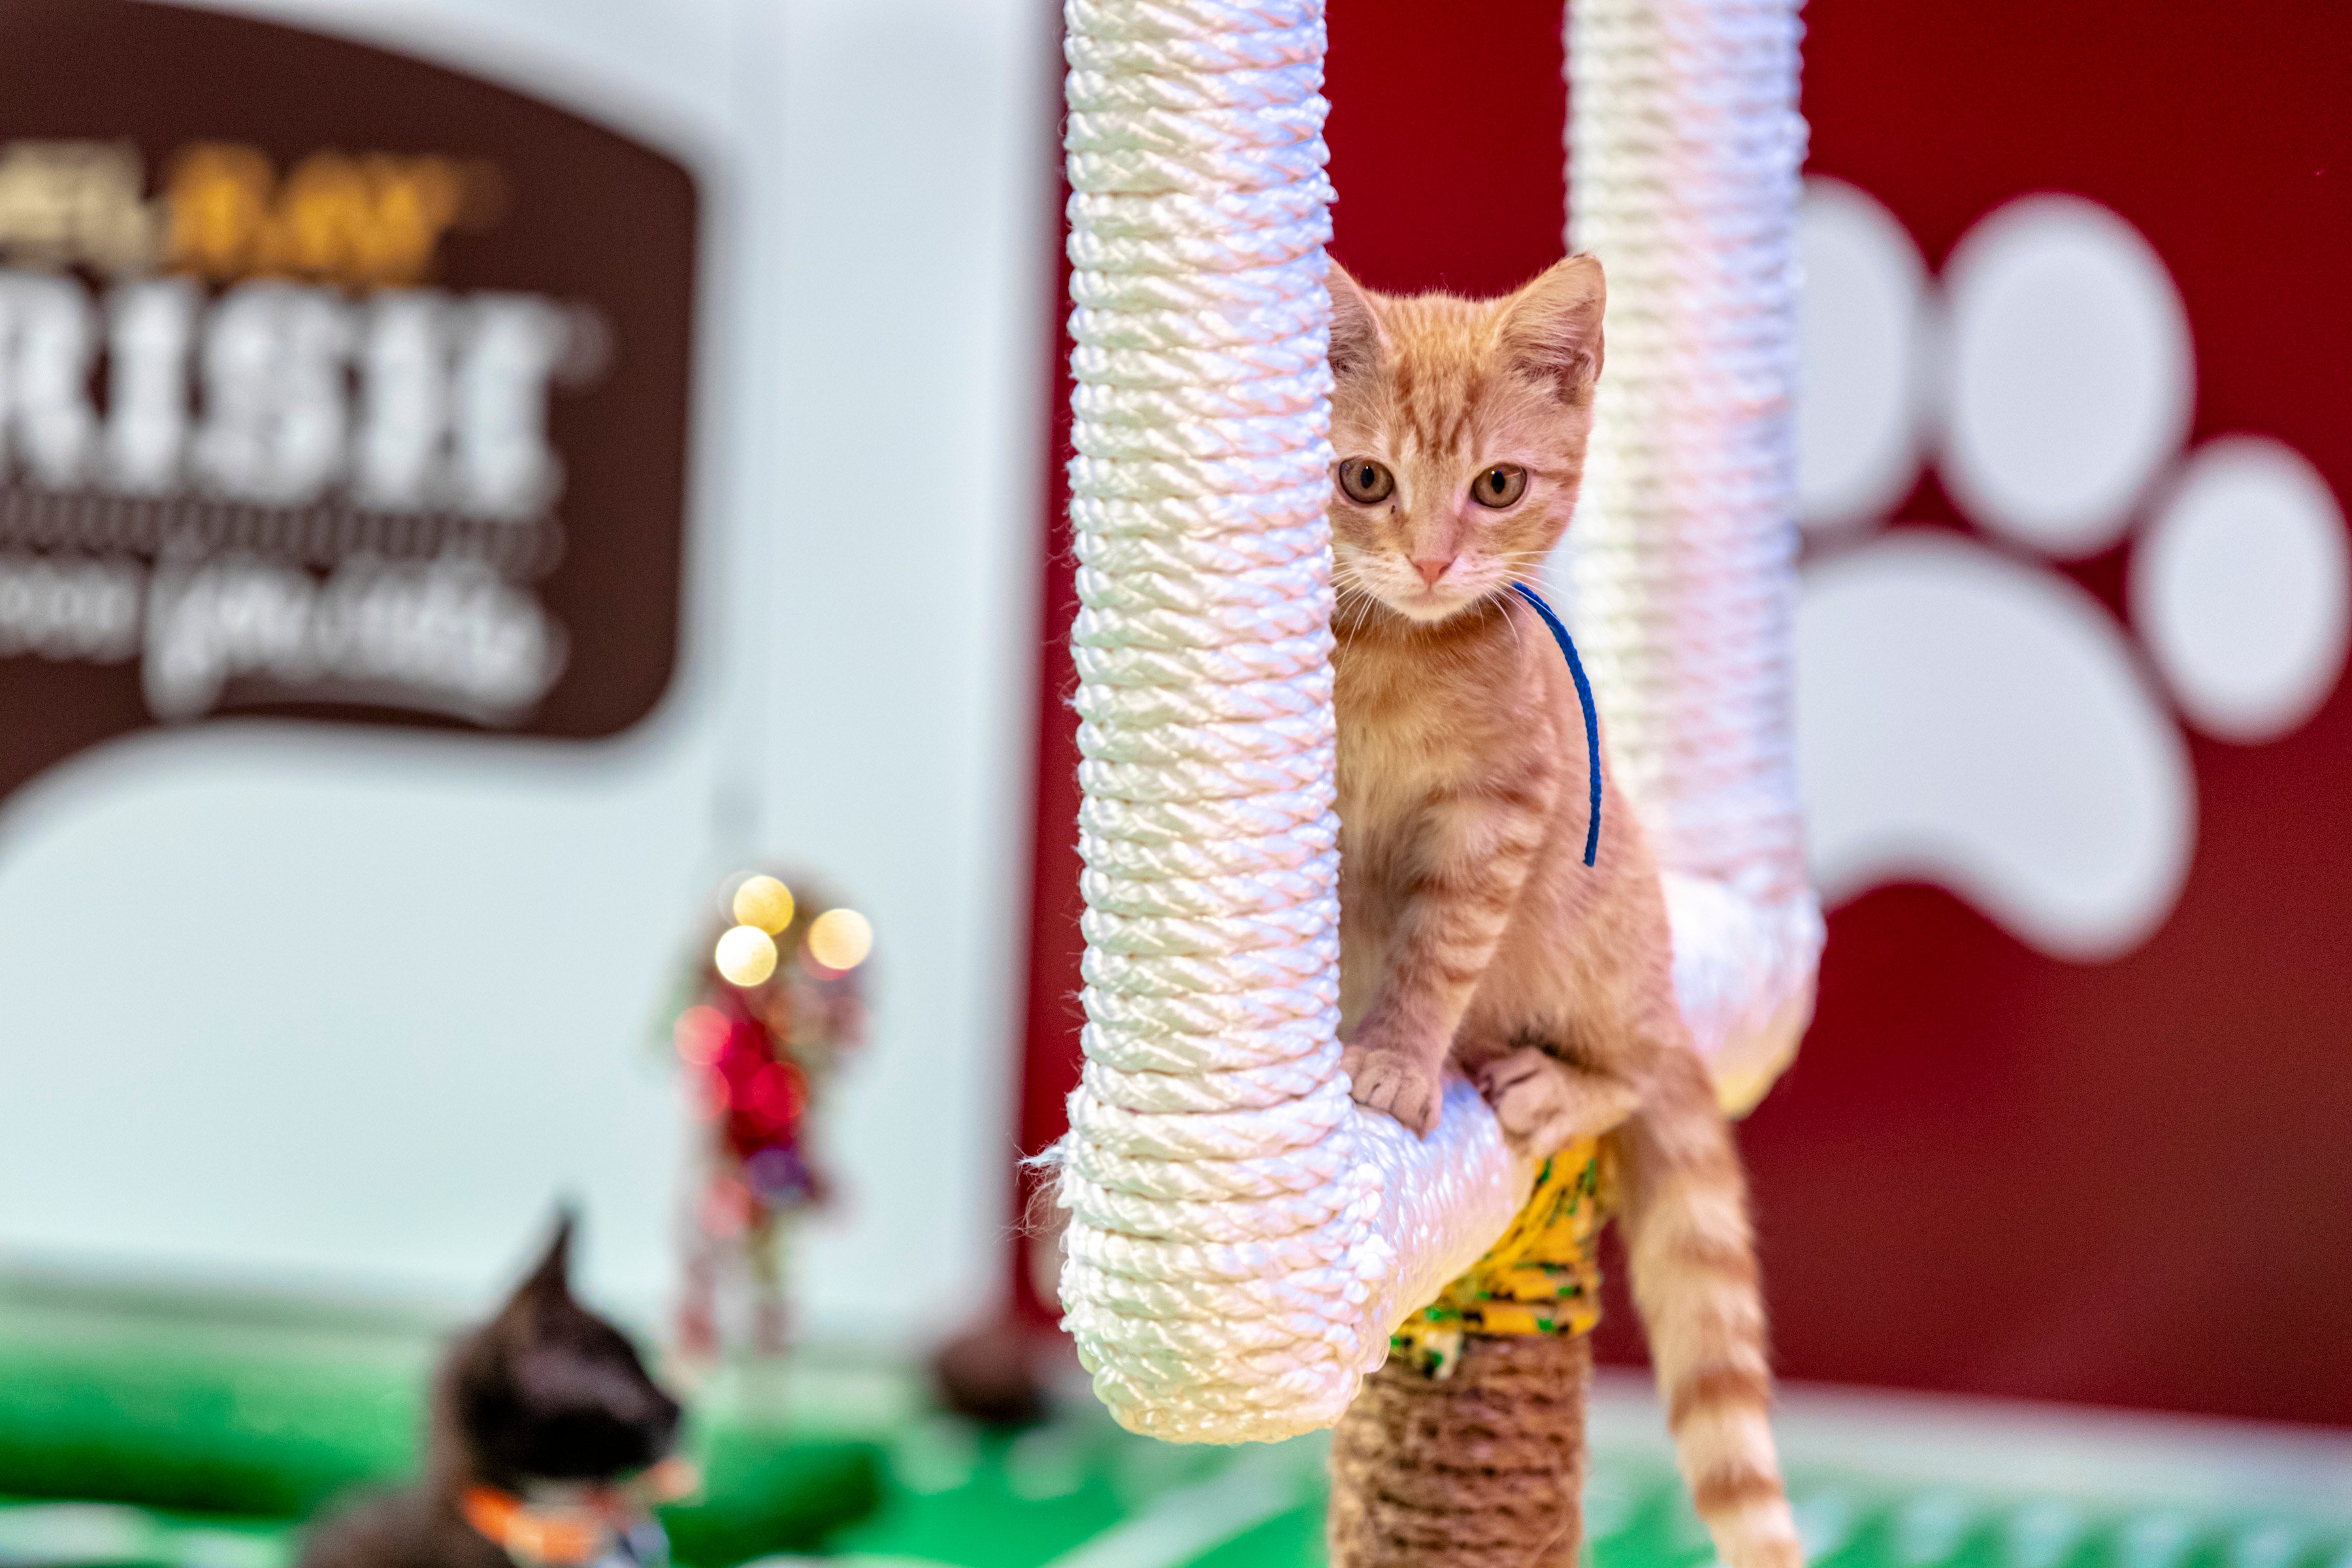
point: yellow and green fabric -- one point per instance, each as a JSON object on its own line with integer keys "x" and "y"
{"x": 1542, "y": 1277}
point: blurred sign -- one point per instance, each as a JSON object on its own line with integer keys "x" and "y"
{"x": 2057, "y": 415}
{"x": 333, "y": 385}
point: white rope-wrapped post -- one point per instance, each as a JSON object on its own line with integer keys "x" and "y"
{"x": 1243, "y": 1239}
{"x": 1684, "y": 153}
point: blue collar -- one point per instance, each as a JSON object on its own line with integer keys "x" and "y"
{"x": 1591, "y": 721}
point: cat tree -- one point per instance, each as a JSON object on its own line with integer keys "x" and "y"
{"x": 1243, "y": 1239}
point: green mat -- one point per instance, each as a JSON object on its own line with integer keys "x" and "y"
{"x": 241, "y": 1412}
{"x": 197, "y": 1432}
{"x": 1877, "y": 1482}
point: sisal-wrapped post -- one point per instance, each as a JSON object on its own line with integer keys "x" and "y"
{"x": 1684, "y": 146}
{"x": 1243, "y": 1238}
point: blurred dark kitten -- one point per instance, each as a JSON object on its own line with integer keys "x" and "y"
{"x": 549, "y": 1444}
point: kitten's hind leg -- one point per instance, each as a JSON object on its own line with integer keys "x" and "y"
{"x": 1544, "y": 1104}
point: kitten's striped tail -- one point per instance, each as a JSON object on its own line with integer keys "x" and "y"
{"x": 1693, "y": 1264}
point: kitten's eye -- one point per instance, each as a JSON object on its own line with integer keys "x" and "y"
{"x": 1499, "y": 485}
{"x": 1365, "y": 482}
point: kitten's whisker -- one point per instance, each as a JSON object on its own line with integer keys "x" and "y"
{"x": 1350, "y": 604}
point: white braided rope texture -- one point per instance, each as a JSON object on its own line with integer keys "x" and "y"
{"x": 1243, "y": 1238}
{"x": 1684, "y": 152}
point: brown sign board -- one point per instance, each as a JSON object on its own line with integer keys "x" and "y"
{"x": 334, "y": 385}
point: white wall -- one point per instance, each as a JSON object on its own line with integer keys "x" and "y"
{"x": 293, "y": 1005}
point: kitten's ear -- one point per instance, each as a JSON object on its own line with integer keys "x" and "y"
{"x": 1356, "y": 335}
{"x": 552, "y": 1279}
{"x": 1551, "y": 328}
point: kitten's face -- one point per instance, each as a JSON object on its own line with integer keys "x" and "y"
{"x": 1459, "y": 426}
{"x": 547, "y": 1391}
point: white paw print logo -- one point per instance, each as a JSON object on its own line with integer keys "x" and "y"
{"x": 1967, "y": 716}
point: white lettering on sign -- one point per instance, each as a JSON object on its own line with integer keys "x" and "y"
{"x": 401, "y": 453}
{"x": 151, "y": 326}
{"x": 47, "y": 338}
{"x": 513, "y": 344}
{"x": 275, "y": 421}
{"x": 448, "y": 633}
{"x": 71, "y": 607}
{"x": 282, "y": 394}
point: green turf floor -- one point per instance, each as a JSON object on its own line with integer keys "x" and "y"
{"x": 171, "y": 1431}
{"x": 1878, "y": 1483}
{"x": 232, "y": 1414}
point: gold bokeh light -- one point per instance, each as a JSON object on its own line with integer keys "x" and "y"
{"x": 764, "y": 902}
{"x": 840, "y": 939}
{"x": 746, "y": 956}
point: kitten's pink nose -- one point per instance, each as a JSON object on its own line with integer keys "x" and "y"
{"x": 1431, "y": 570}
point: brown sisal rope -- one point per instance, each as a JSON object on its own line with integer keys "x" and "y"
{"x": 1481, "y": 1470}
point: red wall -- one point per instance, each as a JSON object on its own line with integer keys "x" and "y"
{"x": 1988, "y": 1171}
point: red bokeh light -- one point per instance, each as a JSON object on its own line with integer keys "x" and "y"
{"x": 699, "y": 1035}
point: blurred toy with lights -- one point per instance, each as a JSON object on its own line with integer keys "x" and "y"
{"x": 773, "y": 1001}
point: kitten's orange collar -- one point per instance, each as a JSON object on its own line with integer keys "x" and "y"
{"x": 571, "y": 1535}
{"x": 566, "y": 1537}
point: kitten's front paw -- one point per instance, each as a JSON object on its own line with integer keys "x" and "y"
{"x": 1391, "y": 1078}
{"x": 1544, "y": 1104}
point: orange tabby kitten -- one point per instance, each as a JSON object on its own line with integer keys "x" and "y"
{"x": 1470, "y": 927}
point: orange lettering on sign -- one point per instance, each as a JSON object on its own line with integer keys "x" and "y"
{"x": 365, "y": 220}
